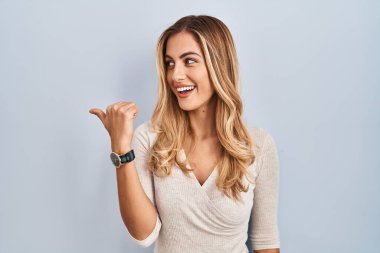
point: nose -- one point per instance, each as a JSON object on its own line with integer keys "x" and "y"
{"x": 178, "y": 73}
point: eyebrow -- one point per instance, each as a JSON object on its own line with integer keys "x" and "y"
{"x": 183, "y": 55}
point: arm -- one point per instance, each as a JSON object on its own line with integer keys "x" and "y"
{"x": 135, "y": 190}
{"x": 264, "y": 235}
{"x": 267, "y": 251}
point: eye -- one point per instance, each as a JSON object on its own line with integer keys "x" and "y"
{"x": 167, "y": 63}
{"x": 189, "y": 60}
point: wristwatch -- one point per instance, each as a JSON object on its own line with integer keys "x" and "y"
{"x": 118, "y": 160}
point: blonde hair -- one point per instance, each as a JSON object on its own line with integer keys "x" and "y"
{"x": 172, "y": 124}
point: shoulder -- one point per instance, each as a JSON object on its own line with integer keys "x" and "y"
{"x": 144, "y": 134}
{"x": 145, "y": 127}
{"x": 265, "y": 150}
{"x": 261, "y": 139}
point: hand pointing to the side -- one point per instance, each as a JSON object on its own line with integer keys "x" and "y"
{"x": 118, "y": 120}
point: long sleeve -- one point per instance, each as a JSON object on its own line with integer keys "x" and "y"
{"x": 264, "y": 230}
{"x": 140, "y": 145}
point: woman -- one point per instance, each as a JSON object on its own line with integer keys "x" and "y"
{"x": 194, "y": 174}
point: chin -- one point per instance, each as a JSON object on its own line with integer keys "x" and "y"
{"x": 187, "y": 107}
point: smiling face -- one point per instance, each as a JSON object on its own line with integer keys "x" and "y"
{"x": 186, "y": 67}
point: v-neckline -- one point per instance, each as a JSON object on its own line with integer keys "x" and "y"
{"x": 209, "y": 178}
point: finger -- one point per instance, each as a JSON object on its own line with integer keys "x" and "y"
{"x": 101, "y": 115}
{"x": 115, "y": 106}
{"x": 136, "y": 112}
{"x": 119, "y": 104}
{"x": 125, "y": 105}
{"x": 130, "y": 108}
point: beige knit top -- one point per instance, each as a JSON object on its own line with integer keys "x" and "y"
{"x": 200, "y": 218}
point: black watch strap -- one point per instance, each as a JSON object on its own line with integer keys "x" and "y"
{"x": 127, "y": 157}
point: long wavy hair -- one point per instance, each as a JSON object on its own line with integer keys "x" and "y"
{"x": 172, "y": 124}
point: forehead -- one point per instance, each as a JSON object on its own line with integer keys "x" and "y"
{"x": 182, "y": 42}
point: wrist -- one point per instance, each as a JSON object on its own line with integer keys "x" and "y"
{"x": 121, "y": 151}
{"x": 119, "y": 159}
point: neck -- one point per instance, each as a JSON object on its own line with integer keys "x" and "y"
{"x": 202, "y": 121}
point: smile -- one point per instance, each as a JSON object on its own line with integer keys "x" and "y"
{"x": 184, "y": 92}
{"x": 185, "y": 89}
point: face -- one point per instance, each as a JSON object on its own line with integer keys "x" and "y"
{"x": 186, "y": 69}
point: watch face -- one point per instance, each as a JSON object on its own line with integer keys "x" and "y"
{"x": 115, "y": 159}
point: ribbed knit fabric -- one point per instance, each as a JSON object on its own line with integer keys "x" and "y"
{"x": 200, "y": 218}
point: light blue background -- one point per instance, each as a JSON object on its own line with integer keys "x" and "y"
{"x": 310, "y": 76}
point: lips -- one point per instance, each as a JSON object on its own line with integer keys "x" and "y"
{"x": 183, "y": 93}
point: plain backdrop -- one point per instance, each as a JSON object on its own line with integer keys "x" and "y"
{"x": 309, "y": 76}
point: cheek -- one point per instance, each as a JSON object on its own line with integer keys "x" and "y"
{"x": 168, "y": 76}
{"x": 200, "y": 76}
{"x": 204, "y": 82}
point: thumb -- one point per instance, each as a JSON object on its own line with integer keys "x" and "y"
{"x": 101, "y": 115}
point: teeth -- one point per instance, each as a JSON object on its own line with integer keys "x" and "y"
{"x": 185, "y": 88}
